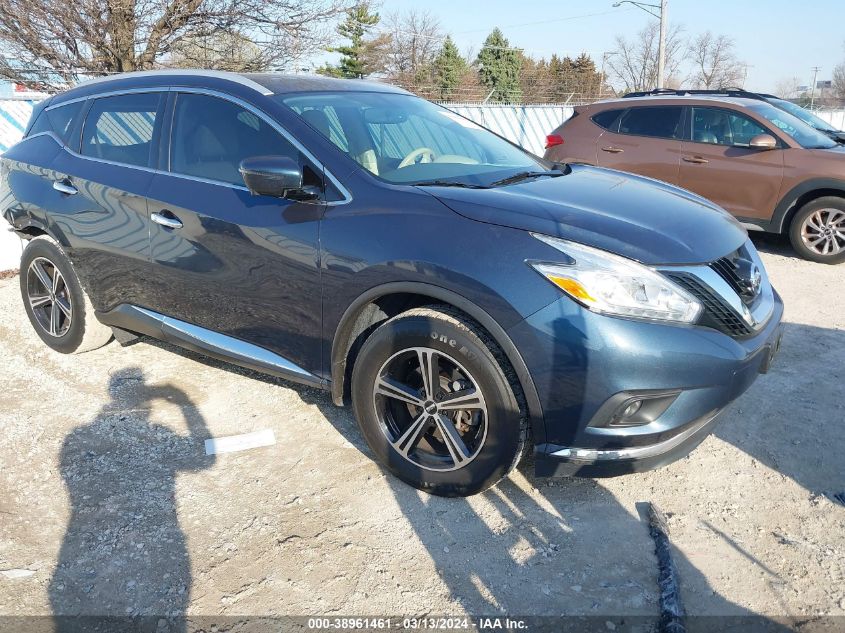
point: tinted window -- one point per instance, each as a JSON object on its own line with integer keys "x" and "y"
{"x": 120, "y": 129}
{"x": 723, "y": 127}
{"x": 62, "y": 121}
{"x": 660, "y": 122}
{"x": 606, "y": 119}
{"x": 211, "y": 137}
{"x": 58, "y": 120}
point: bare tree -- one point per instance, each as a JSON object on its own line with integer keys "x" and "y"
{"x": 714, "y": 62}
{"x": 839, "y": 81}
{"x": 788, "y": 88}
{"x": 223, "y": 51}
{"x": 415, "y": 40}
{"x": 53, "y": 42}
{"x": 633, "y": 65}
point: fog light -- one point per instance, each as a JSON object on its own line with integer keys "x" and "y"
{"x": 632, "y": 409}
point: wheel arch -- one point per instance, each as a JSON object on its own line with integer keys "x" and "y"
{"x": 378, "y": 304}
{"x": 800, "y": 195}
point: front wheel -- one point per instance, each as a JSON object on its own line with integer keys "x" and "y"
{"x": 817, "y": 231}
{"x": 432, "y": 396}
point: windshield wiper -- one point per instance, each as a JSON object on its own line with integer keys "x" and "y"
{"x": 447, "y": 183}
{"x": 524, "y": 175}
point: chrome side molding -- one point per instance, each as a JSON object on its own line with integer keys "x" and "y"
{"x": 208, "y": 342}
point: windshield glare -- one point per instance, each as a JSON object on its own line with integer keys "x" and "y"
{"x": 803, "y": 134}
{"x": 405, "y": 140}
{"x": 805, "y": 115}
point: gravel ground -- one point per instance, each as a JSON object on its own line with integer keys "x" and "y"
{"x": 107, "y": 497}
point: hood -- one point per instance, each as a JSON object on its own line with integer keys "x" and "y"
{"x": 640, "y": 218}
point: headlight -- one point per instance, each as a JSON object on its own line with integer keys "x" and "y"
{"x": 611, "y": 284}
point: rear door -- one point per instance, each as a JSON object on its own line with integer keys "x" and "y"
{"x": 718, "y": 163}
{"x": 99, "y": 194}
{"x": 644, "y": 140}
{"x": 223, "y": 258}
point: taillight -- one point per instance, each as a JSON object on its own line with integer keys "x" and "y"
{"x": 553, "y": 139}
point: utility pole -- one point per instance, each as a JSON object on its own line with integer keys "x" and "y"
{"x": 816, "y": 70}
{"x": 661, "y": 44}
{"x": 661, "y": 54}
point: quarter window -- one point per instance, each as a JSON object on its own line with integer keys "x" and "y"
{"x": 59, "y": 120}
{"x": 120, "y": 128}
{"x": 607, "y": 119}
{"x": 723, "y": 127}
{"x": 211, "y": 136}
{"x": 657, "y": 121}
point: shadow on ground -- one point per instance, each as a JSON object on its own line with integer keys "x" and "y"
{"x": 571, "y": 533}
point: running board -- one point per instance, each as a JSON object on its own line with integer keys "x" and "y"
{"x": 207, "y": 342}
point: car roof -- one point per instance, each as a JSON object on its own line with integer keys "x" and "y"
{"x": 627, "y": 102}
{"x": 261, "y": 83}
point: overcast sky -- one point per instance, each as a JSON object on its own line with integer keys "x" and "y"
{"x": 777, "y": 38}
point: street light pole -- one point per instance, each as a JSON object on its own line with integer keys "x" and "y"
{"x": 661, "y": 44}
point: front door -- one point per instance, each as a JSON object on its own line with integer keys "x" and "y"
{"x": 646, "y": 140}
{"x": 719, "y": 164}
{"x": 224, "y": 259}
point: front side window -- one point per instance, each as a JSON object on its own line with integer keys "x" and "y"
{"x": 406, "y": 140}
{"x": 654, "y": 121}
{"x": 120, "y": 129}
{"x": 211, "y": 136}
{"x": 723, "y": 127}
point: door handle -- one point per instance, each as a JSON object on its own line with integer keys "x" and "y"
{"x": 65, "y": 187}
{"x": 612, "y": 150}
{"x": 698, "y": 160}
{"x": 165, "y": 218}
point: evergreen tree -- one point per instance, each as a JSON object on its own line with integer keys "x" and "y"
{"x": 356, "y": 57}
{"x": 499, "y": 67}
{"x": 450, "y": 67}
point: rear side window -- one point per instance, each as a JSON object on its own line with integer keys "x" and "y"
{"x": 211, "y": 136}
{"x": 60, "y": 120}
{"x": 120, "y": 129}
{"x": 654, "y": 121}
{"x": 607, "y": 119}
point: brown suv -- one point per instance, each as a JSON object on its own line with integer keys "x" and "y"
{"x": 765, "y": 166}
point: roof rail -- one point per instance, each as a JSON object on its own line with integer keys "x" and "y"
{"x": 727, "y": 92}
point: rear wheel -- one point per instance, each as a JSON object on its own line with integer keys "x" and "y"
{"x": 55, "y": 302}
{"x": 817, "y": 231}
{"x": 433, "y": 399}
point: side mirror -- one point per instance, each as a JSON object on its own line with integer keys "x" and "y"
{"x": 276, "y": 176}
{"x": 763, "y": 141}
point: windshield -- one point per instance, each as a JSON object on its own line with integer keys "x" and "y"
{"x": 805, "y": 115}
{"x": 406, "y": 140}
{"x": 804, "y": 135}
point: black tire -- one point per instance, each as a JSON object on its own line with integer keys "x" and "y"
{"x": 802, "y": 229}
{"x": 76, "y": 328}
{"x": 463, "y": 349}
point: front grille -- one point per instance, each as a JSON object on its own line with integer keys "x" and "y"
{"x": 726, "y": 269}
{"x": 716, "y": 314}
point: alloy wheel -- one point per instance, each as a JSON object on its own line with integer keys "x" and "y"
{"x": 49, "y": 297}
{"x": 430, "y": 409}
{"x": 823, "y": 231}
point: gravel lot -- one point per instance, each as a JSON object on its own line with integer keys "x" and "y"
{"x": 106, "y": 495}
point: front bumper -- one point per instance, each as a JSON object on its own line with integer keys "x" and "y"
{"x": 580, "y": 361}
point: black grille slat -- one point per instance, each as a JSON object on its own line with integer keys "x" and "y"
{"x": 716, "y": 314}
{"x": 726, "y": 269}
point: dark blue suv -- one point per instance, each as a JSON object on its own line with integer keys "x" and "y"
{"x": 469, "y": 299}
